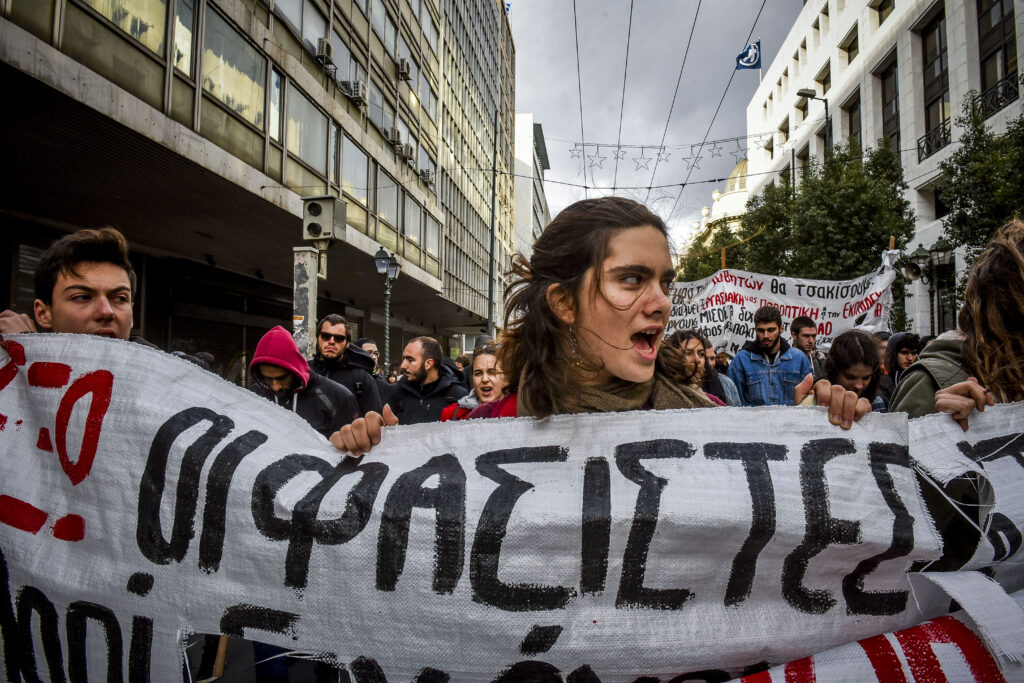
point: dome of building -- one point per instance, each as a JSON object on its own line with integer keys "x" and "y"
{"x": 737, "y": 180}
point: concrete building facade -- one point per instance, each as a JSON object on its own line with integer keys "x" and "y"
{"x": 197, "y": 127}
{"x": 892, "y": 70}
{"x": 531, "y": 202}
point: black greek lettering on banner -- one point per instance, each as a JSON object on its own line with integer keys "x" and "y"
{"x": 237, "y": 618}
{"x": 632, "y": 592}
{"x": 880, "y": 603}
{"x": 486, "y": 552}
{"x": 448, "y": 499}
{"x": 822, "y": 530}
{"x": 32, "y": 600}
{"x": 149, "y": 533}
{"x": 9, "y": 637}
{"x": 597, "y": 525}
{"x": 304, "y": 528}
{"x": 78, "y": 616}
{"x": 1005, "y": 446}
{"x": 1004, "y": 536}
{"x": 755, "y": 457}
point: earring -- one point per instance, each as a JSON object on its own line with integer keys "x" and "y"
{"x": 574, "y": 349}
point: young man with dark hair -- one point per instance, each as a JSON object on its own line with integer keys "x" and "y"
{"x": 281, "y": 374}
{"x": 338, "y": 359}
{"x": 84, "y": 284}
{"x": 427, "y": 385}
{"x": 804, "y": 332}
{"x": 370, "y": 347}
{"x": 767, "y": 370}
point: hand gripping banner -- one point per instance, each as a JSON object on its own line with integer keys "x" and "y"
{"x": 722, "y": 306}
{"x": 143, "y": 499}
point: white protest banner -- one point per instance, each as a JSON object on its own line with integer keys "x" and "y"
{"x": 142, "y": 499}
{"x": 722, "y": 306}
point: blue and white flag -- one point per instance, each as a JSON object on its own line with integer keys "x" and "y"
{"x": 750, "y": 58}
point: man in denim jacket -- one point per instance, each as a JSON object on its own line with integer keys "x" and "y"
{"x": 767, "y": 370}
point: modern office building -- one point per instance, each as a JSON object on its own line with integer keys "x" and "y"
{"x": 896, "y": 70}
{"x": 531, "y": 203}
{"x": 197, "y": 127}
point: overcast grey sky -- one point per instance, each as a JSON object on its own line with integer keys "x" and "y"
{"x": 546, "y": 86}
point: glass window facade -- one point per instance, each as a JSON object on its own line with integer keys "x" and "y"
{"x": 184, "y": 22}
{"x": 143, "y": 20}
{"x": 387, "y": 199}
{"x": 307, "y": 131}
{"x": 234, "y": 71}
{"x": 354, "y": 175}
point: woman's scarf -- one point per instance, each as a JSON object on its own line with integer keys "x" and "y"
{"x": 618, "y": 395}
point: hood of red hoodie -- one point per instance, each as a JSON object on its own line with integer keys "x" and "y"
{"x": 278, "y": 348}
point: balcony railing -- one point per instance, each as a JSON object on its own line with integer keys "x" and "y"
{"x": 1006, "y": 90}
{"x": 934, "y": 140}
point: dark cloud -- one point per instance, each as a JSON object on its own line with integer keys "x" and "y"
{"x": 546, "y": 85}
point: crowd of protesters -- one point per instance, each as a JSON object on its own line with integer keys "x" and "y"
{"x": 585, "y": 332}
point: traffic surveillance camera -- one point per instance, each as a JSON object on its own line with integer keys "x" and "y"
{"x": 323, "y": 220}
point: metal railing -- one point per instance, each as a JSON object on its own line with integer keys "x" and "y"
{"x": 1006, "y": 90}
{"x": 934, "y": 140}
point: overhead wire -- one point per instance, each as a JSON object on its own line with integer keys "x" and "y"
{"x": 715, "y": 115}
{"x": 675, "y": 94}
{"x": 579, "y": 90}
{"x": 622, "y": 102}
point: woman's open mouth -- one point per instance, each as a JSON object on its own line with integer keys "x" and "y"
{"x": 645, "y": 341}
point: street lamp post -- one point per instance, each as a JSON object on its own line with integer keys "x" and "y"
{"x": 389, "y": 268}
{"x": 810, "y": 94}
{"x": 928, "y": 265}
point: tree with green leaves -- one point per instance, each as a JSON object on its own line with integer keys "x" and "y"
{"x": 834, "y": 225}
{"x": 984, "y": 178}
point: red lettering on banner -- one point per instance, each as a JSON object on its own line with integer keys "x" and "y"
{"x": 100, "y": 384}
{"x": 21, "y": 515}
{"x": 800, "y": 671}
{"x": 48, "y": 375}
{"x": 43, "y": 442}
{"x": 759, "y": 677}
{"x": 69, "y": 528}
{"x": 3, "y": 421}
{"x": 924, "y": 665}
{"x": 17, "y": 353}
{"x": 884, "y": 659}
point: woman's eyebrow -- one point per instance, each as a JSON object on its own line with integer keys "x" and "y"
{"x": 633, "y": 268}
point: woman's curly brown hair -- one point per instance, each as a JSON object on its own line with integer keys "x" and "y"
{"x": 672, "y": 362}
{"x": 992, "y": 317}
{"x": 537, "y": 352}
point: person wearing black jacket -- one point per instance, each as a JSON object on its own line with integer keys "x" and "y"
{"x": 281, "y": 374}
{"x": 338, "y": 359}
{"x": 427, "y": 385}
{"x": 370, "y": 346}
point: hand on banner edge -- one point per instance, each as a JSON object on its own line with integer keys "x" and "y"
{"x": 13, "y": 323}
{"x": 364, "y": 433}
{"x": 960, "y": 399}
{"x": 844, "y": 407}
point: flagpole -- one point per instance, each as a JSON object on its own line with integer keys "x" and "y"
{"x": 759, "y": 61}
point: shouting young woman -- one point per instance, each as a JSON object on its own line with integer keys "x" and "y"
{"x": 584, "y": 321}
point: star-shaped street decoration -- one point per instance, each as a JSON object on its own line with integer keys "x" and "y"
{"x": 695, "y": 162}
{"x": 596, "y": 159}
{"x": 739, "y": 153}
{"x": 760, "y": 142}
{"x": 663, "y": 155}
{"x": 575, "y": 152}
{"x": 716, "y": 150}
{"x": 619, "y": 153}
{"x": 642, "y": 162}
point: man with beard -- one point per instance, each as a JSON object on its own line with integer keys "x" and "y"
{"x": 767, "y": 370}
{"x": 805, "y": 333}
{"x": 427, "y": 385}
{"x": 338, "y": 359}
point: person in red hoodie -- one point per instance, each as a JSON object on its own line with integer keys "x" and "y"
{"x": 281, "y": 374}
